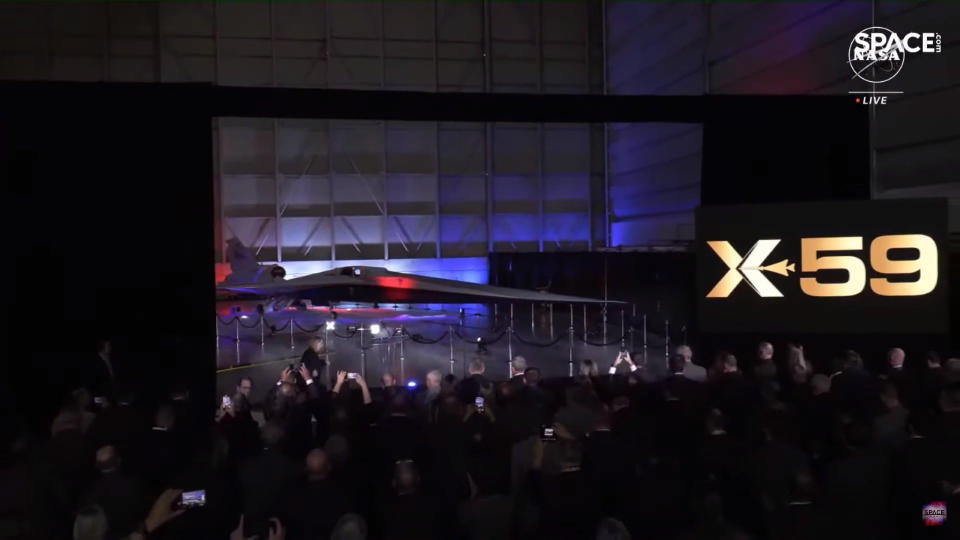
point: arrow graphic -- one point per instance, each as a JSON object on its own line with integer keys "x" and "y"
{"x": 783, "y": 267}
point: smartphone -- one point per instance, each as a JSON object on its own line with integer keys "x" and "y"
{"x": 193, "y": 499}
{"x": 352, "y": 376}
{"x": 226, "y": 402}
{"x": 547, "y": 433}
{"x": 479, "y": 403}
{"x": 99, "y": 400}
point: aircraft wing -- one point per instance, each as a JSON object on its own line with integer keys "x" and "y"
{"x": 374, "y": 284}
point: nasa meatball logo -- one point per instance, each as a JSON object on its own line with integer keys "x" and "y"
{"x": 934, "y": 514}
{"x": 877, "y": 54}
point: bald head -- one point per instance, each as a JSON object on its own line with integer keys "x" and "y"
{"x": 107, "y": 459}
{"x": 895, "y": 357}
{"x": 433, "y": 379}
{"x": 318, "y": 466}
{"x": 686, "y": 352}
{"x": 519, "y": 365}
{"x": 765, "y": 350}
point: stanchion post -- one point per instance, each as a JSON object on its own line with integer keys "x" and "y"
{"x": 570, "y": 358}
{"x": 237, "y": 340}
{"x": 216, "y": 329}
{"x": 584, "y": 322}
{"x": 363, "y": 354}
{"x": 326, "y": 349}
{"x": 533, "y": 326}
{"x": 604, "y": 324}
{"x": 451, "y": 349}
{"x": 633, "y": 324}
{"x": 291, "y": 332}
{"x": 261, "y": 332}
{"x": 666, "y": 344}
{"x": 403, "y": 377}
{"x": 644, "y": 339}
{"x": 551, "y": 321}
{"x": 510, "y": 345}
{"x": 623, "y": 331}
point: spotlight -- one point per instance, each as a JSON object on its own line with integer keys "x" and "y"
{"x": 411, "y": 384}
{"x": 374, "y": 328}
{"x": 356, "y": 271}
{"x": 331, "y": 325}
{"x": 479, "y": 340}
{"x": 244, "y": 317}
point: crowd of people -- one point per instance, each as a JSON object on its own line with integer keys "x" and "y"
{"x": 758, "y": 448}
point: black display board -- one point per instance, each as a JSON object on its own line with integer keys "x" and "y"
{"x": 825, "y": 267}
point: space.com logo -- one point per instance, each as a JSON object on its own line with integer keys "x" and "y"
{"x": 934, "y": 513}
{"x": 877, "y": 54}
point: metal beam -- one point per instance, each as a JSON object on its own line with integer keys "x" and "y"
{"x": 488, "y": 127}
{"x": 606, "y": 136}
{"x": 333, "y": 214}
{"x": 220, "y": 190}
{"x": 356, "y": 244}
{"x": 436, "y": 125}
{"x": 385, "y": 219}
{"x": 403, "y": 234}
{"x": 277, "y": 178}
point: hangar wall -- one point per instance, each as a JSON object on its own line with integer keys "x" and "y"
{"x": 783, "y": 48}
{"x": 577, "y": 47}
{"x": 311, "y": 194}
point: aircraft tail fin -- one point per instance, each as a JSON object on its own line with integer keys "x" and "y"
{"x": 244, "y": 267}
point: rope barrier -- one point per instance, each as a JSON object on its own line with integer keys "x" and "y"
{"x": 560, "y": 335}
{"x": 417, "y": 338}
{"x": 600, "y": 343}
{"x": 281, "y": 328}
{"x": 297, "y": 323}
{"x": 348, "y": 336}
{"x": 481, "y": 340}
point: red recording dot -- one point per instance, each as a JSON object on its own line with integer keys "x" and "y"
{"x": 858, "y": 100}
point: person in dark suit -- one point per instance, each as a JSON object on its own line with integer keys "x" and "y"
{"x": 266, "y": 480}
{"x": 123, "y": 499}
{"x": 404, "y": 512}
{"x": 99, "y": 373}
{"x": 291, "y": 405}
{"x": 474, "y": 385}
{"x": 855, "y": 390}
{"x": 162, "y": 453}
{"x": 315, "y": 357}
{"x": 316, "y": 505}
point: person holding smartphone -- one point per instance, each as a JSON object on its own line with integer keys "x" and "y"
{"x": 623, "y": 359}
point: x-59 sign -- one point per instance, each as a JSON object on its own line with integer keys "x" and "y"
{"x": 818, "y": 254}
{"x": 842, "y": 266}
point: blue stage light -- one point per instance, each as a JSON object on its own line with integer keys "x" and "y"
{"x": 412, "y": 384}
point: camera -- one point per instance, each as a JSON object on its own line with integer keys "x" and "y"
{"x": 352, "y": 376}
{"x": 547, "y": 433}
{"x": 226, "y": 402}
{"x": 478, "y": 403}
